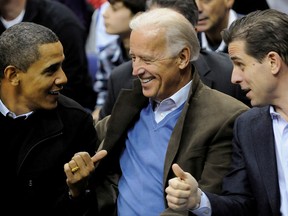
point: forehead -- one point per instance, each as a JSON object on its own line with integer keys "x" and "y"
{"x": 50, "y": 53}
{"x": 153, "y": 40}
{"x": 236, "y": 48}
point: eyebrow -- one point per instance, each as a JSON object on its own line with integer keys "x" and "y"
{"x": 52, "y": 67}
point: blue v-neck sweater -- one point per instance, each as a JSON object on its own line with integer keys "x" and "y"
{"x": 142, "y": 164}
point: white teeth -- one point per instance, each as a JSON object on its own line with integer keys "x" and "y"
{"x": 146, "y": 80}
{"x": 53, "y": 93}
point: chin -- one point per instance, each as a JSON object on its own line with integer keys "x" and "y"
{"x": 50, "y": 106}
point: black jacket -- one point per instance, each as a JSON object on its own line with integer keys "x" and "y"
{"x": 36, "y": 150}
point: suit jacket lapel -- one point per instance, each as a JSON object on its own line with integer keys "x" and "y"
{"x": 174, "y": 142}
{"x": 122, "y": 117}
{"x": 264, "y": 145}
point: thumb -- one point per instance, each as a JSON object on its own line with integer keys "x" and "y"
{"x": 178, "y": 171}
{"x": 99, "y": 155}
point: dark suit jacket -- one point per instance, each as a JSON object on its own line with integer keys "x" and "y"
{"x": 71, "y": 33}
{"x": 254, "y": 169}
{"x": 215, "y": 71}
{"x": 200, "y": 142}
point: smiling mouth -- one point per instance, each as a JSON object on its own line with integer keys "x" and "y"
{"x": 246, "y": 90}
{"x": 145, "y": 80}
{"x": 54, "y": 93}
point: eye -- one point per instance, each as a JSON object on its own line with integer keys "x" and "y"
{"x": 52, "y": 69}
{"x": 239, "y": 65}
{"x": 147, "y": 61}
{"x": 133, "y": 58}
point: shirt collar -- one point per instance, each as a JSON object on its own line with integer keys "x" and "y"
{"x": 5, "y": 111}
{"x": 17, "y": 20}
{"x": 222, "y": 46}
{"x": 175, "y": 100}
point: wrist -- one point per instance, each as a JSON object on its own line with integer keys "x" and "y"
{"x": 198, "y": 200}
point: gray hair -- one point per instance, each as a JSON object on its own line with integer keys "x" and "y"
{"x": 262, "y": 32}
{"x": 179, "y": 31}
{"x": 19, "y": 45}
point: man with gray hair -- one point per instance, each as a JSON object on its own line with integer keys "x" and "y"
{"x": 169, "y": 117}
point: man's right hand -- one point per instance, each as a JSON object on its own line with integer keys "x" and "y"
{"x": 78, "y": 170}
{"x": 182, "y": 192}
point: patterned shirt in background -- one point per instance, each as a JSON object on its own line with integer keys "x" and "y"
{"x": 109, "y": 57}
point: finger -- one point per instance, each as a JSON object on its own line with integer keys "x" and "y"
{"x": 67, "y": 170}
{"x": 176, "y": 200}
{"x": 178, "y": 188}
{"x": 73, "y": 163}
{"x": 83, "y": 158}
{"x": 99, "y": 155}
{"x": 178, "y": 171}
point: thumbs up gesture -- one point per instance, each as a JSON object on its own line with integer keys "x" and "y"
{"x": 182, "y": 192}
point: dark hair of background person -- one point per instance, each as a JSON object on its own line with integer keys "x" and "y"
{"x": 134, "y": 5}
{"x": 247, "y": 6}
{"x": 186, "y": 7}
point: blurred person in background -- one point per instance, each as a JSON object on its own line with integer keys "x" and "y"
{"x": 214, "y": 16}
{"x": 82, "y": 9}
{"x": 116, "y": 20}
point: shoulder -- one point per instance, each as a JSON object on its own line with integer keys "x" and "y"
{"x": 69, "y": 106}
{"x": 255, "y": 113}
{"x": 121, "y": 76}
{"x": 216, "y": 57}
{"x": 218, "y": 103}
{"x": 122, "y": 69}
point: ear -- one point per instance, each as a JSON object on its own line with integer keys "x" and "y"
{"x": 184, "y": 57}
{"x": 11, "y": 74}
{"x": 275, "y": 62}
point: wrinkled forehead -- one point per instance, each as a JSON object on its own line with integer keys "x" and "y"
{"x": 146, "y": 40}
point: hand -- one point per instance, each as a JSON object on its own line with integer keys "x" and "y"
{"x": 182, "y": 192}
{"x": 77, "y": 179}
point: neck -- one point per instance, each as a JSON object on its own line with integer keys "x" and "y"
{"x": 10, "y": 11}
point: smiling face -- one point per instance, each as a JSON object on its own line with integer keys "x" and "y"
{"x": 259, "y": 80}
{"x": 39, "y": 86}
{"x": 161, "y": 74}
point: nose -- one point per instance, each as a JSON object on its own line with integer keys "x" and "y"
{"x": 138, "y": 71}
{"x": 137, "y": 65}
{"x": 61, "y": 78}
{"x": 236, "y": 76}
